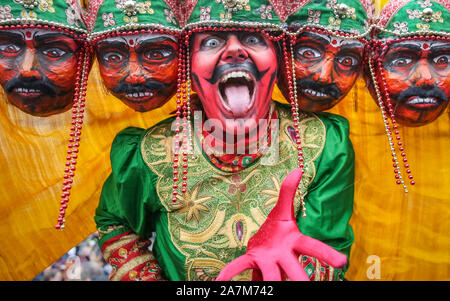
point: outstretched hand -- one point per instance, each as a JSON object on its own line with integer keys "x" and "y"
{"x": 273, "y": 251}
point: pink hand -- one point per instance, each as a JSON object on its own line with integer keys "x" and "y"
{"x": 273, "y": 251}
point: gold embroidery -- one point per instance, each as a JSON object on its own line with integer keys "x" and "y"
{"x": 233, "y": 205}
{"x": 124, "y": 269}
{"x": 108, "y": 230}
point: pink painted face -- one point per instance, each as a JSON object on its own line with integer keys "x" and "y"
{"x": 326, "y": 68}
{"x": 38, "y": 70}
{"x": 140, "y": 70}
{"x": 418, "y": 80}
{"x": 234, "y": 74}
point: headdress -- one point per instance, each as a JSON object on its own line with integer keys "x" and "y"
{"x": 402, "y": 20}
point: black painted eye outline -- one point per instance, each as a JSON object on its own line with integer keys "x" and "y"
{"x": 10, "y": 49}
{"x": 54, "y": 53}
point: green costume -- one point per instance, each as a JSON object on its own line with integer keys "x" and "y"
{"x": 197, "y": 236}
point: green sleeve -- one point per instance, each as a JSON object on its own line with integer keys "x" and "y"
{"x": 329, "y": 202}
{"x": 128, "y": 196}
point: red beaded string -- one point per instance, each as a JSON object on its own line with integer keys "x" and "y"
{"x": 388, "y": 115}
{"x": 78, "y": 108}
{"x": 177, "y": 140}
{"x": 291, "y": 80}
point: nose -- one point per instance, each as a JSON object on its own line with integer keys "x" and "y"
{"x": 324, "y": 72}
{"x": 234, "y": 51}
{"x": 27, "y": 68}
{"x": 136, "y": 75}
{"x": 422, "y": 76}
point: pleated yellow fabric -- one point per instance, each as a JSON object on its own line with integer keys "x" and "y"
{"x": 397, "y": 236}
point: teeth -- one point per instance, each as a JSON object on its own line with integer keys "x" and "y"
{"x": 315, "y": 93}
{"x": 421, "y": 100}
{"x": 139, "y": 94}
{"x": 236, "y": 74}
{"x": 25, "y": 90}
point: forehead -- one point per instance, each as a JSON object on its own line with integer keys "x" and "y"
{"x": 32, "y": 34}
{"x": 132, "y": 40}
{"x": 330, "y": 40}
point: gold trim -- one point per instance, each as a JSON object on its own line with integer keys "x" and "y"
{"x": 201, "y": 237}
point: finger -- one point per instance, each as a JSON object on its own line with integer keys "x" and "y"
{"x": 309, "y": 246}
{"x": 293, "y": 268}
{"x": 270, "y": 270}
{"x": 235, "y": 267}
{"x": 284, "y": 209}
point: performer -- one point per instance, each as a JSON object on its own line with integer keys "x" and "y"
{"x": 41, "y": 46}
{"x": 408, "y": 70}
{"x": 205, "y": 206}
{"x": 138, "y": 67}
{"x": 329, "y": 50}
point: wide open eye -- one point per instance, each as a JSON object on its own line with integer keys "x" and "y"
{"x": 211, "y": 42}
{"x": 308, "y": 53}
{"x": 54, "y": 53}
{"x": 347, "y": 61}
{"x": 441, "y": 60}
{"x": 113, "y": 57}
{"x": 158, "y": 54}
{"x": 401, "y": 62}
{"x": 9, "y": 49}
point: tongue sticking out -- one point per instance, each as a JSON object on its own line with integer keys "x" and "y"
{"x": 238, "y": 99}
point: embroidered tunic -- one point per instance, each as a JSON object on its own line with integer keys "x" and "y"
{"x": 211, "y": 224}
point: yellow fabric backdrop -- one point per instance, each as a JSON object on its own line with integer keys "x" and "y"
{"x": 408, "y": 234}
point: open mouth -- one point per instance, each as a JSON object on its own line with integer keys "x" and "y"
{"x": 237, "y": 92}
{"x": 423, "y": 102}
{"x": 139, "y": 96}
{"x": 31, "y": 93}
{"x": 316, "y": 95}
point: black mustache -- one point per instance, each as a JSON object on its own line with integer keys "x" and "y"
{"x": 125, "y": 88}
{"x": 330, "y": 89}
{"x": 247, "y": 66}
{"x": 43, "y": 85}
{"x": 432, "y": 91}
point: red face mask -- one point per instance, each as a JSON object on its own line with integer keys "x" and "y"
{"x": 140, "y": 70}
{"x": 38, "y": 70}
{"x": 234, "y": 74}
{"x": 418, "y": 80}
{"x": 326, "y": 68}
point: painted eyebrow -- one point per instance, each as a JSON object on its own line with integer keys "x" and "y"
{"x": 115, "y": 44}
{"x": 151, "y": 40}
{"x": 408, "y": 46}
{"x": 313, "y": 36}
{"x": 437, "y": 48}
{"x": 352, "y": 45}
{"x": 11, "y": 35}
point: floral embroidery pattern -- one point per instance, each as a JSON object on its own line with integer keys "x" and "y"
{"x": 417, "y": 14}
{"x": 5, "y": 12}
{"x": 46, "y": 5}
{"x": 108, "y": 19}
{"x": 423, "y": 27}
{"x": 191, "y": 205}
{"x": 28, "y": 15}
{"x": 205, "y": 13}
{"x": 131, "y": 8}
{"x": 231, "y": 6}
{"x": 237, "y": 185}
{"x": 400, "y": 27}
{"x": 313, "y": 16}
{"x": 265, "y": 11}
